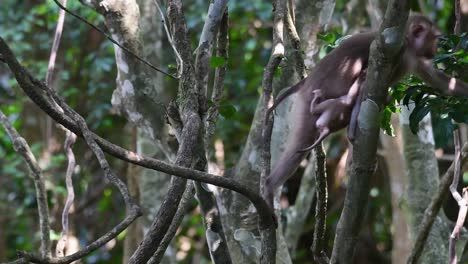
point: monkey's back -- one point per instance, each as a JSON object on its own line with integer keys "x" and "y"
{"x": 336, "y": 72}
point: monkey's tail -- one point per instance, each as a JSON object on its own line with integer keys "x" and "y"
{"x": 322, "y": 135}
{"x": 283, "y": 94}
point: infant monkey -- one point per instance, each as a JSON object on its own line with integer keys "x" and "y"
{"x": 336, "y": 113}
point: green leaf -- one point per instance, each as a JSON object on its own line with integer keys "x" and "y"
{"x": 398, "y": 92}
{"x": 419, "y": 112}
{"x": 385, "y": 123}
{"x": 410, "y": 92}
{"x": 216, "y": 62}
{"x": 328, "y": 37}
{"x": 227, "y": 110}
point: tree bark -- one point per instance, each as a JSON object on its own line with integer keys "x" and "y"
{"x": 423, "y": 179}
{"x": 382, "y": 59}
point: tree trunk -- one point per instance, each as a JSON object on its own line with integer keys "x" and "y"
{"x": 423, "y": 179}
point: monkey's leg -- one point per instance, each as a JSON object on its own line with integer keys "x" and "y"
{"x": 285, "y": 167}
{"x": 303, "y": 133}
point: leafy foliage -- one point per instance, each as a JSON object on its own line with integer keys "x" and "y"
{"x": 445, "y": 110}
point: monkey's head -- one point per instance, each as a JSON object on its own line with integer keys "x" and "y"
{"x": 422, "y": 36}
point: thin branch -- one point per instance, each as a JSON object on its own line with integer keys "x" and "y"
{"x": 218, "y": 82}
{"x": 98, "y": 153}
{"x": 59, "y": 106}
{"x": 34, "y": 89}
{"x": 114, "y": 41}
{"x": 70, "y": 138}
{"x": 215, "y": 236}
{"x": 49, "y": 77}
{"x": 277, "y": 55}
{"x": 21, "y": 146}
{"x": 433, "y": 209}
{"x": 181, "y": 211}
{"x": 318, "y": 245}
{"x": 134, "y": 213}
{"x": 461, "y": 201}
{"x": 69, "y": 141}
{"x": 456, "y": 175}
{"x": 188, "y": 108}
{"x": 134, "y": 210}
{"x": 205, "y": 47}
{"x": 457, "y": 27}
{"x": 180, "y": 62}
{"x": 55, "y": 45}
{"x": 296, "y": 43}
{"x": 458, "y": 227}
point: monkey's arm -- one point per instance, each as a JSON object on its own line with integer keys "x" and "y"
{"x": 439, "y": 80}
{"x": 353, "y": 119}
{"x": 359, "y": 83}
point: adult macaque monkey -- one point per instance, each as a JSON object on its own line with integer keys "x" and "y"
{"x": 332, "y": 79}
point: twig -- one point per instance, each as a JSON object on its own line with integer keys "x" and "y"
{"x": 432, "y": 210}
{"x": 456, "y": 175}
{"x": 114, "y": 41}
{"x": 49, "y": 76}
{"x": 318, "y": 245}
{"x": 458, "y": 227}
{"x": 218, "y": 82}
{"x": 188, "y": 106}
{"x": 70, "y": 138}
{"x": 277, "y": 55}
{"x": 204, "y": 49}
{"x": 91, "y": 142}
{"x": 180, "y": 62}
{"x": 55, "y": 45}
{"x": 296, "y": 43}
{"x": 21, "y": 146}
{"x": 457, "y": 26}
{"x": 134, "y": 210}
{"x": 462, "y": 202}
{"x": 181, "y": 211}
{"x": 134, "y": 213}
{"x": 69, "y": 141}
